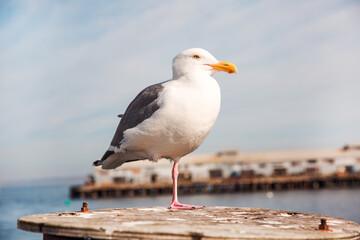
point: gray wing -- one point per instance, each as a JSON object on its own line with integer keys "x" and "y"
{"x": 141, "y": 108}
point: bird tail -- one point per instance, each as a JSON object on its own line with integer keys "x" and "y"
{"x": 112, "y": 160}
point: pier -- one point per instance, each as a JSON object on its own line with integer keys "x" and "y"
{"x": 208, "y": 223}
{"x": 217, "y": 185}
{"x": 229, "y": 171}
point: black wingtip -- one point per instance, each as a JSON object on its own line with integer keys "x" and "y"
{"x": 120, "y": 115}
{"x": 97, "y": 163}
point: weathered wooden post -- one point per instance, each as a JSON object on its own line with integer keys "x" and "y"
{"x": 208, "y": 223}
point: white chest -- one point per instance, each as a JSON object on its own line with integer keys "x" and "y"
{"x": 188, "y": 110}
{"x": 192, "y": 105}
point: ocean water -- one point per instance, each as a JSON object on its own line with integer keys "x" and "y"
{"x": 16, "y": 202}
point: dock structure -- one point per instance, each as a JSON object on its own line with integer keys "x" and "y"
{"x": 217, "y": 185}
{"x": 229, "y": 171}
{"x": 208, "y": 223}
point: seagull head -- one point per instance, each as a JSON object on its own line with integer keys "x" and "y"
{"x": 199, "y": 60}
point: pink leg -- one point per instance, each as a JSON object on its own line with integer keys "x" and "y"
{"x": 174, "y": 202}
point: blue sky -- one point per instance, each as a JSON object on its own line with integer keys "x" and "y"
{"x": 67, "y": 68}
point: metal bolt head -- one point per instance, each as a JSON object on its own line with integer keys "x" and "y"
{"x": 323, "y": 226}
{"x": 85, "y": 207}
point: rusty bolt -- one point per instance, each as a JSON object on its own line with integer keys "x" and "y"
{"x": 323, "y": 226}
{"x": 85, "y": 207}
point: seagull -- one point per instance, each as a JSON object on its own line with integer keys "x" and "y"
{"x": 172, "y": 118}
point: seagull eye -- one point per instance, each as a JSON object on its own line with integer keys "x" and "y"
{"x": 196, "y": 56}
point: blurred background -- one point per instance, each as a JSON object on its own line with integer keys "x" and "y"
{"x": 67, "y": 68}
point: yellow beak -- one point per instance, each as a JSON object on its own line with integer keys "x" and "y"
{"x": 225, "y": 67}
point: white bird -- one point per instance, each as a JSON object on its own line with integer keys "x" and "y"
{"x": 170, "y": 119}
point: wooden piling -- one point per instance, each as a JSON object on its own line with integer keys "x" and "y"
{"x": 209, "y": 223}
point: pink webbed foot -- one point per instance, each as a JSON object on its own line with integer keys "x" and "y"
{"x": 179, "y": 206}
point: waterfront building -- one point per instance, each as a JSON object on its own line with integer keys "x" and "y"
{"x": 231, "y": 163}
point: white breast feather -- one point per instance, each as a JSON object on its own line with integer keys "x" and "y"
{"x": 188, "y": 110}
